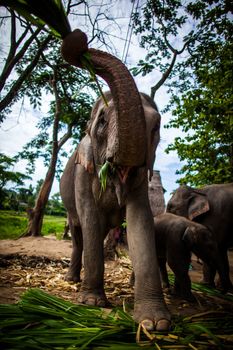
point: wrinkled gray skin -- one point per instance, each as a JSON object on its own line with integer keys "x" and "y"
{"x": 92, "y": 212}
{"x": 176, "y": 238}
{"x": 211, "y": 206}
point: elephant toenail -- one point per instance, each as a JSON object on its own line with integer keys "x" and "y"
{"x": 101, "y": 303}
{"x": 148, "y": 325}
{"x": 91, "y": 301}
{"x": 163, "y": 325}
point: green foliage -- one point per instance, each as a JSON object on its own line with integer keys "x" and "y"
{"x": 159, "y": 23}
{"x": 76, "y": 93}
{"x": 53, "y": 225}
{"x": 39, "y": 316}
{"x": 204, "y": 113}
{"x": 13, "y": 224}
{"x": 44, "y": 12}
{"x": 103, "y": 175}
{"x": 9, "y": 177}
{"x": 198, "y": 71}
{"x": 55, "y": 206}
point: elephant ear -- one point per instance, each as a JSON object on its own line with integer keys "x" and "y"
{"x": 189, "y": 237}
{"x": 153, "y": 119}
{"x": 84, "y": 154}
{"x": 198, "y": 205}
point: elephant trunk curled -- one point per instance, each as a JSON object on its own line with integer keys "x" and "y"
{"x": 127, "y": 144}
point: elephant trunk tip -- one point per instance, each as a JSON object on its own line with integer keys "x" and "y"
{"x": 74, "y": 45}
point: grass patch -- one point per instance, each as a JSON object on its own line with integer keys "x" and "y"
{"x": 13, "y": 224}
{"x": 41, "y": 320}
{"x": 53, "y": 225}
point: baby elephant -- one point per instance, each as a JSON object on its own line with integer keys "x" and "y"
{"x": 176, "y": 238}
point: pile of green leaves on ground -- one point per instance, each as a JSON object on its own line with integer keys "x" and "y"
{"x": 13, "y": 224}
{"x": 199, "y": 287}
{"x": 40, "y": 320}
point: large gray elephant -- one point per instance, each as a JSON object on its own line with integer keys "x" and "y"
{"x": 211, "y": 206}
{"x": 176, "y": 238}
{"x": 93, "y": 210}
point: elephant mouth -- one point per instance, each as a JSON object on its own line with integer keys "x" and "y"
{"x": 123, "y": 172}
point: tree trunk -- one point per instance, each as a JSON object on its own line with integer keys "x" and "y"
{"x": 36, "y": 214}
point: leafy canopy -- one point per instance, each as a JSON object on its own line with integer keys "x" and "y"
{"x": 42, "y": 13}
{"x": 190, "y": 43}
{"x": 204, "y": 113}
{"x": 75, "y": 92}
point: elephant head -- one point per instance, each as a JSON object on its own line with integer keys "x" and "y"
{"x": 93, "y": 150}
{"x": 188, "y": 202}
{"x": 126, "y": 141}
{"x": 200, "y": 241}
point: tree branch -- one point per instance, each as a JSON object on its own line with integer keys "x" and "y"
{"x": 65, "y": 137}
{"x": 13, "y": 58}
{"x": 164, "y": 76}
{"x": 18, "y": 83}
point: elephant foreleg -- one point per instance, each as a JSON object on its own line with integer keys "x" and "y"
{"x": 224, "y": 281}
{"x": 149, "y": 306}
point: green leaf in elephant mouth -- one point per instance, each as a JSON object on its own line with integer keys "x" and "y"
{"x": 108, "y": 167}
{"x": 103, "y": 175}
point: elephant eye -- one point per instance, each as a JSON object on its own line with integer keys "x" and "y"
{"x": 169, "y": 206}
{"x": 101, "y": 118}
{"x": 155, "y": 128}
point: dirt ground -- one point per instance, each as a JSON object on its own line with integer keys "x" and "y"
{"x": 43, "y": 262}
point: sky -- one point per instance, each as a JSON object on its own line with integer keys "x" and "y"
{"x": 20, "y": 126}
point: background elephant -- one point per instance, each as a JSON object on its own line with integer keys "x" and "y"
{"x": 176, "y": 238}
{"x": 211, "y": 206}
{"x": 94, "y": 210}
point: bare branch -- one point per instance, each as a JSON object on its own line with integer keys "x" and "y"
{"x": 12, "y": 57}
{"x": 18, "y": 83}
{"x": 164, "y": 76}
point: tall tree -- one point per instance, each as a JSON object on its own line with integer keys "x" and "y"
{"x": 22, "y": 35}
{"x": 190, "y": 43}
{"x": 19, "y": 34}
{"x": 204, "y": 113}
{"x": 72, "y": 92}
{"x": 71, "y": 106}
{"x": 164, "y": 31}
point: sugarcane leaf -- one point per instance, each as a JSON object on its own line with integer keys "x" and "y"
{"x": 103, "y": 174}
{"x": 49, "y": 12}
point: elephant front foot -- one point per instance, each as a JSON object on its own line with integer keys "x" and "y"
{"x": 224, "y": 288}
{"x": 206, "y": 283}
{"x": 152, "y": 317}
{"x": 72, "y": 277}
{"x": 93, "y": 298}
{"x": 188, "y": 295}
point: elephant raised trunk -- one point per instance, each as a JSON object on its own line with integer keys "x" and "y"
{"x": 126, "y": 146}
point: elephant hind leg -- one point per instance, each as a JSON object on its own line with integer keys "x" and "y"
{"x": 75, "y": 267}
{"x": 182, "y": 285}
{"x": 224, "y": 283}
{"x": 163, "y": 273}
{"x": 208, "y": 275}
